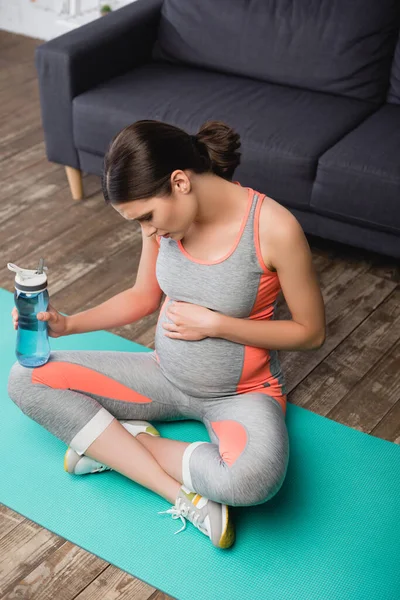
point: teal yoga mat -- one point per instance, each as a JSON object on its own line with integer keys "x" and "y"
{"x": 331, "y": 533}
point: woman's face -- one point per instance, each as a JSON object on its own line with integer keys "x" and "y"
{"x": 169, "y": 216}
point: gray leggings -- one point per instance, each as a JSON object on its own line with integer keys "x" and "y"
{"x": 77, "y": 394}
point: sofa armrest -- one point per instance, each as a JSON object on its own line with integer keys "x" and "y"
{"x": 85, "y": 57}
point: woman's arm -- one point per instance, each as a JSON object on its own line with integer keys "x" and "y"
{"x": 288, "y": 252}
{"x": 122, "y": 309}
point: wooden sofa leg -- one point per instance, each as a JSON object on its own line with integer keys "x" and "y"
{"x": 74, "y": 177}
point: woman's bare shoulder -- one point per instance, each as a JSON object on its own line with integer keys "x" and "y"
{"x": 276, "y": 225}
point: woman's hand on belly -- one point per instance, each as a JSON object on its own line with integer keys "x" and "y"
{"x": 190, "y": 322}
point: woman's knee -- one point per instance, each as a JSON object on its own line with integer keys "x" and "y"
{"x": 260, "y": 482}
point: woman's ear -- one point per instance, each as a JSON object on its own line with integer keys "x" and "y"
{"x": 180, "y": 181}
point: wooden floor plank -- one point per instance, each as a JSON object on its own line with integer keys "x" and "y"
{"x": 347, "y": 308}
{"x": 8, "y": 520}
{"x": 388, "y": 269}
{"x": 113, "y": 276}
{"x": 62, "y": 575}
{"x": 21, "y": 122}
{"x": 13, "y": 74}
{"x": 372, "y": 397}
{"x": 25, "y": 547}
{"x": 21, "y": 51}
{"x": 382, "y": 266}
{"x": 94, "y": 254}
{"x": 57, "y": 224}
{"x": 388, "y": 428}
{"x": 344, "y": 367}
{"x": 114, "y": 584}
{"x": 17, "y": 145}
{"x": 22, "y": 160}
{"x": 41, "y": 188}
{"x": 20, "y": 189}
{"x": 160, "y": 596}
{"x": 8, "y": 38}
{"x": 13, "y": 100}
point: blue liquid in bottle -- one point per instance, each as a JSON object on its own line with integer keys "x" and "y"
{"x": 32, "y": 348}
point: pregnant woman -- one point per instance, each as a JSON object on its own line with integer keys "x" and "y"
{"x": 220, "y": 253}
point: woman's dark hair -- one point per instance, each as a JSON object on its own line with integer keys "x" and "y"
{"x": 141, "y": 158}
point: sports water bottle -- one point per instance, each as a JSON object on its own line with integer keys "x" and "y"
{"x": 31, "y": 297}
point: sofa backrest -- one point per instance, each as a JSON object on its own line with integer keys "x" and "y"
{"x": 337, "y": 46}
{"x": 394, "y": 90}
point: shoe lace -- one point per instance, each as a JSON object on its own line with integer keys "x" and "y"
{"x": 182, "y": 511}
{"x": 101, "y": 468}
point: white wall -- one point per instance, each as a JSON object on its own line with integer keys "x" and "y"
{"x": 42, "y": 19}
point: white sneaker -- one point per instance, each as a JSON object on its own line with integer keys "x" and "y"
{"x": 211, "y": 518}
{"x": 77, "y": 464}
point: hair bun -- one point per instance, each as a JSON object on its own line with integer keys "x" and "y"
{"x": 202, "y": 150}
{"x": 222, "y": 144}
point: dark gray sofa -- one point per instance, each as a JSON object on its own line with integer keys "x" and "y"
{"x": 313, "y": 88}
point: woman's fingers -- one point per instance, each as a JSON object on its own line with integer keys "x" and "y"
{"x": 14, "y": 316}
{"x": 44, "y": 316}
{"x": 51, "y": 317}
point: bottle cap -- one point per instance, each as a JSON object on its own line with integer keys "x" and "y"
{"x": 29, "y": 280}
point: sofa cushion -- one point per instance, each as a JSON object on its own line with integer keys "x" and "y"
{"x": 394, "y": 91}
{"x": 358, "y": 180}
{"x": 337, "y": 46}
{"x": 283, "y": 130}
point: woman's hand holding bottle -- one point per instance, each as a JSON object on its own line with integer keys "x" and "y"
{"x": 56, "y": 322}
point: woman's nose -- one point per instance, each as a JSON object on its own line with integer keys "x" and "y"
{"x": 150, "y": 230}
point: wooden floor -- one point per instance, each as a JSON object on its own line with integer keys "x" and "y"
{"x": 92, "y": 254}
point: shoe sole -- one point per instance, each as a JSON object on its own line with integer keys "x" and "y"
{"x": 67, "y": 466}
{"x": 228, "y": 535}
{"x": 65, "y": 462}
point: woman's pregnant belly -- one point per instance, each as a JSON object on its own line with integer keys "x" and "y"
{"x": 206, "y": 368}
